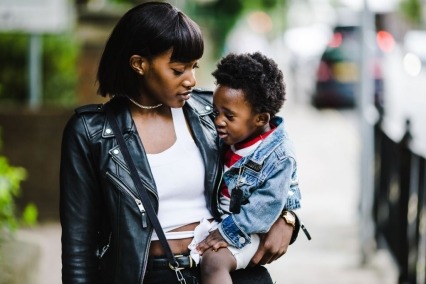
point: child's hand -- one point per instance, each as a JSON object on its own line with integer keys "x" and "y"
{"x": 214, "y": 241}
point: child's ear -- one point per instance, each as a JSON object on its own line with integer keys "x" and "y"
{"x": 263, "y": 118}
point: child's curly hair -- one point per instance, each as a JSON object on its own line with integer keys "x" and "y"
{"x": 257, "y": 76}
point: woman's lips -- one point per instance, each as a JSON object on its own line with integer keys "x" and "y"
{"x": 185, "y": 95}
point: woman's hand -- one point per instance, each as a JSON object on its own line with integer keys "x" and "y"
{"x": 273, "y": 244}
{"x": 214, "y": 240}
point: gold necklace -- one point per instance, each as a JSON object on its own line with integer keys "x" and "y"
{"x": 144, "y": 107}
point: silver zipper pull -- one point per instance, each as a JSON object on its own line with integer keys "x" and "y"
{"x": 142, "y": 210}
{"x": 144, "y": 224}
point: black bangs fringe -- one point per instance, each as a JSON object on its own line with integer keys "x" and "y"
{"x": 188, "y": 42}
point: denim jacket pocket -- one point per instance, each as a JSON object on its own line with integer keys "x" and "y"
{"x": 247, "y": 181}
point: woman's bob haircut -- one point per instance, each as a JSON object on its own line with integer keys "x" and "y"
{"x": 148, "y": 30}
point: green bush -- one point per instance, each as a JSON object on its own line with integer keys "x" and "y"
{"x": 10, "y": 180}
{"x": 412, "y": 10}
{"x": 59, "y": 69}
{"x": 222, "y": 15}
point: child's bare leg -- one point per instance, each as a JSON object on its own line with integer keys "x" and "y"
{"x": 216, "y": 265}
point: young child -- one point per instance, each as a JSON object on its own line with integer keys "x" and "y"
{"x": 260, "y": 173}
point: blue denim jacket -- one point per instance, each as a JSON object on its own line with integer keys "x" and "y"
{"x": 269, "y": 184}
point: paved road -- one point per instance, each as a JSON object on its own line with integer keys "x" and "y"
{"x": 328, "y": 148}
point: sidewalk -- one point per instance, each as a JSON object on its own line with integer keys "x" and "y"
{"x": 327, "y": 145}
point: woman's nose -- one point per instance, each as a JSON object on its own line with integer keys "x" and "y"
{"x": 190, "y": 81}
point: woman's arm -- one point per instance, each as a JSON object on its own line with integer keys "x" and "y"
{"x": 274, "y": 244}
{"x": 79, "y": 203}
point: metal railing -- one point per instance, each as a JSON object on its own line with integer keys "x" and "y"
{"x": 399, "y": 206}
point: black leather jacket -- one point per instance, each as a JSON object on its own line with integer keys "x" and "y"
{"x": 104, "y": 235}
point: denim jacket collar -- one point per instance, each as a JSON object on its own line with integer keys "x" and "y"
{"x": 269, "y": 144}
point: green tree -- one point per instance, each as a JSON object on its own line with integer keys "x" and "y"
{"x": 220, "y": 16}
{"x": 10, "y": 180}
{"x": 412, "y": 10}
{"x": 59, "y": 57}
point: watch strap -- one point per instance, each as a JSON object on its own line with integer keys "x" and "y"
{"x": 296, "y": 229}
{"x": 299, "y": 225}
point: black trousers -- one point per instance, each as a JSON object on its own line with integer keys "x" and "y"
{"x": 252, "y": 275}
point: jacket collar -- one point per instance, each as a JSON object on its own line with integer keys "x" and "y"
{"x": 277, "y": 138}
{"x": 274, "y": 140}
{"x": 125, "y": 121}
{"x": 123, "y": 115}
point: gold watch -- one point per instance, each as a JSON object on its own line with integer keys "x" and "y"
{"x": 289, "y": 218}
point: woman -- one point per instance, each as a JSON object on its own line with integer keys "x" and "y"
{"x": 148, "y": 69}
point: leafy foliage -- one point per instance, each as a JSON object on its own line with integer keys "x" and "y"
{"x": 412, "y": 10}
{"x": 10, "y": 180}
{"x": 222, "y": 15}
{"x": 59, "y": 63}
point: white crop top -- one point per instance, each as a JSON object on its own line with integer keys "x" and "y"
{"x": 179, "y": 176}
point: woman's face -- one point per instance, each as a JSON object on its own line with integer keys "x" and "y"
{"x": 167, "y": 82}
{"x": 235, "y": 121}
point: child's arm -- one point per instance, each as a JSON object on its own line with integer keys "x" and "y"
{"x": 214, "y": 241}
{"x": 265, "y": 204}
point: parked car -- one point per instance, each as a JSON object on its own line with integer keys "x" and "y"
{"x": 338, "y": 70}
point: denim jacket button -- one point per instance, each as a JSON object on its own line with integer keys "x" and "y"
{"x": 242, "y": 240}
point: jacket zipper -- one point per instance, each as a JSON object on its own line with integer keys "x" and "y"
{"x": 141, "y": 209}
{"x": 217, "y": 192}
{"x": 137, "y": 200}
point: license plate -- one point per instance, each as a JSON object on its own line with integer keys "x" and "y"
{"x": 345, "y": 72}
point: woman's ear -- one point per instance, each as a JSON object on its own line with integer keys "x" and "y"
{"x": 263, "y": 118}
{"x": 138, "y": 63}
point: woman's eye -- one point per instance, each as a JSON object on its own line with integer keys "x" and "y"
{"x": 177, "y": 72}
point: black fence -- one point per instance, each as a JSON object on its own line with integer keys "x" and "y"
{"x": 399, "y": 207}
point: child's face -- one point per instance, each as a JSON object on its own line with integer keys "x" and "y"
{"x": 235, "y": 121}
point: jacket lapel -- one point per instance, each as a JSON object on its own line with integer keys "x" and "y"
{"x": 133, "y": 142}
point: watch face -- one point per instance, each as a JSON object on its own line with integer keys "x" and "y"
{"x": 290, "y": 217}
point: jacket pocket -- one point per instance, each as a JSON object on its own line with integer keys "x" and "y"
{"x": 123, "y": 188}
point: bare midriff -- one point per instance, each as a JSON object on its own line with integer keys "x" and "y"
{"x": 179, "y": 246}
